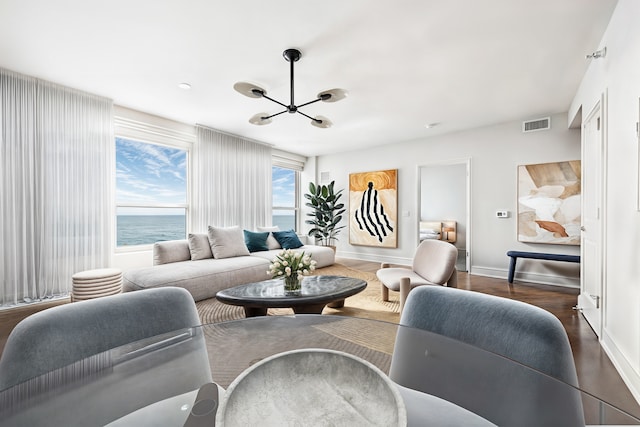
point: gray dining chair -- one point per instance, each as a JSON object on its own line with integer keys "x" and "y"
{"x": 434, "y": 263}
{"x": 103, "y": 337}
{"x": 466, "y": 357}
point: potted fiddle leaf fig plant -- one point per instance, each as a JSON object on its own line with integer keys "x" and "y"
{"x": 327, "y": 213}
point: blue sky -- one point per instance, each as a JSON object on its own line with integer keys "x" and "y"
{"x": 149, "y": 173}
{"x": 284, "y": 187}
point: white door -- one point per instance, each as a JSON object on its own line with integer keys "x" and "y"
{"x": 591, "y": 271}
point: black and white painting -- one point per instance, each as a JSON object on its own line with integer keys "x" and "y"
{"x": 373, "y": 208}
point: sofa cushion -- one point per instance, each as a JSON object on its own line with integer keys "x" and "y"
{"x": 199, "y": 246}
{"x": 391, "y": 278}
{"x": 227, "y": 242}
{"x": 203, "y": 279}
{"x": 256, "y": 242}
{"x": 287, "y": 239}
{"x": 272, "y": 243}
{"x": 171, "y": 251}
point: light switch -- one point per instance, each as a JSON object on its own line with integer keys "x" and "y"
{"x": 502, "y": 214}
{"x": 406, "y": 213}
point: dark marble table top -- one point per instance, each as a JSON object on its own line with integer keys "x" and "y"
{"x": 315, "y": 290}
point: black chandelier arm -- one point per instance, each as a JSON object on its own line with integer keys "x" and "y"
{"x": 273, "y": 100}
{"x": 309, "y": 117}
{"x": 310, "y": 102}
{"x": 276, "y": 114}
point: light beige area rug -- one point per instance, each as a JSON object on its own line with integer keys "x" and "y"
{"x": 367, "y": 304}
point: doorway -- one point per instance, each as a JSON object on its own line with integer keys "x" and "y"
{"x": 443, "y": 197}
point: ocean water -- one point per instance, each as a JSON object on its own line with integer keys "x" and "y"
{"x": 284, "y": 222}
{"x": 148, "y": 229}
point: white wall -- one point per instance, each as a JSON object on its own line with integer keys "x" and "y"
{"x": 618, "y": 76}
{"x": 495, "y": 153}
{"x": 442, "y": 202}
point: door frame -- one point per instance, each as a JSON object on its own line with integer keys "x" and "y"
{"x": 601, "y": 105}
{"x": 464, "y": 161}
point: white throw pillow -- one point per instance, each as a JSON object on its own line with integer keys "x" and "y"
{"x": 272, "y": 243}
{"x": 199, "y": 246}
{"x": 227, "y": 242}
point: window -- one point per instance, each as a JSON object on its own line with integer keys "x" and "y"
{"x": 285, "y": 199}
{"x": 151, "y": 192}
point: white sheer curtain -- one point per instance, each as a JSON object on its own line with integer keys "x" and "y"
{"x": 56, "y": 154}
{"x": 231, "y": 182}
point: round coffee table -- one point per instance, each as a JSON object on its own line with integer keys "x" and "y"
{"x": 317, "y": 292}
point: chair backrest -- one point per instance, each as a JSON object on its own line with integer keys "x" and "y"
{"x": 510, "y": 395}
{"x": 59, "y": 336}
{"x": 435, "y": 260}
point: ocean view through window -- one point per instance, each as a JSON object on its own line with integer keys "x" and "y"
{"x": 151, "y": 193}
{"x": 284, "y": 199}
{"x": 140, "y": 229}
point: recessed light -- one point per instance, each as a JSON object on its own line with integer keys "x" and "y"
{"x": 185, "y": 86}
{"x": 431, "y": 125}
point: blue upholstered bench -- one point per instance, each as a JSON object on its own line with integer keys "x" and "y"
{"x": 536, "y": 255}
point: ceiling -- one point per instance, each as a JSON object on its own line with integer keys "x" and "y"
{"x": 407, "y": 63}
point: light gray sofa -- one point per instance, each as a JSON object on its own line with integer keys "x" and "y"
{"x": 203, "y": 278}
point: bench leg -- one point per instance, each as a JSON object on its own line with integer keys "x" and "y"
{"x": 512, "y": 268}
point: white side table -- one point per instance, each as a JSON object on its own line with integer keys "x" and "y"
{"x": 96, "y": 283}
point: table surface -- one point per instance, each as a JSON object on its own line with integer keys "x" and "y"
{"x": 315, "y": 290}
{"x": 92, "y": 391}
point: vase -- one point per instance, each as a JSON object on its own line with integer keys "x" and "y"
{"x": 292, "y": 286}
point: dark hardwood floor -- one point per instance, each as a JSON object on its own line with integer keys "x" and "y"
{"x": 596, "y": 373}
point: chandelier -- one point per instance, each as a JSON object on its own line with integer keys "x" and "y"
{"x": 253, "y": 91}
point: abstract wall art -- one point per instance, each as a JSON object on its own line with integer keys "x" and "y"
{"x": 373, "y": 208}
{"x": 549, "y": 204}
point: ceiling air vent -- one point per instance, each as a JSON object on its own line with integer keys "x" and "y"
{"x": 538, "y": 124}
{"x": 325, "y": 176}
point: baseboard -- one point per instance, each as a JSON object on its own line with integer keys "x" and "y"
{"x": 541, "y": 279}
{"x": 497, "y": 273}
{"x": 629, "y": 375}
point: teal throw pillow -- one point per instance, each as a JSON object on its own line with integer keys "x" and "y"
{"x": 256, "y": 242}
{"x": 287, "y": 239}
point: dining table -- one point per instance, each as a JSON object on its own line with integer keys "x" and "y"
{"x": 193, "y": 377}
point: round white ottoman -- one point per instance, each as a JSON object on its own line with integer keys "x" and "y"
{"x": 96, "y": 283}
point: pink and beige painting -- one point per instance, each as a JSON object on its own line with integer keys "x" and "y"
{"x": 373, "y": 208}
{"x": 549, "y": 205}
